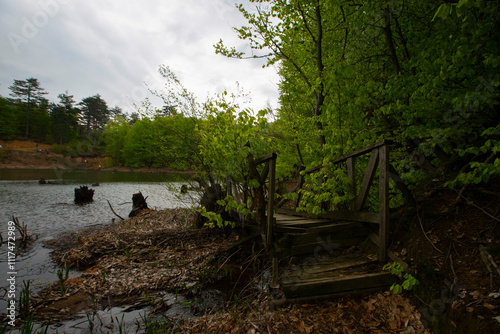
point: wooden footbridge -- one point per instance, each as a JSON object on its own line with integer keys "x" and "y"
{"x": 336, "y": 252}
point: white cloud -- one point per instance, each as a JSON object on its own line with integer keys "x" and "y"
{"x": 112, "y": 47}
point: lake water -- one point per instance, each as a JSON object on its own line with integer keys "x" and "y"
{"x": 48, "y": 210}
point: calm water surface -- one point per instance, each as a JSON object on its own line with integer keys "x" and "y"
{"x": 48, "y": 210}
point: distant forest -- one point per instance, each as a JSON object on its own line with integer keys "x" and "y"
{"x": 91, "y": 127}
{"x": 26, "y": 113}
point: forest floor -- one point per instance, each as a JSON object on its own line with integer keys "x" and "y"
{"x": 224, "y": 284}
{"x": 452, "y": 248}
{"x": 20, "y": 154}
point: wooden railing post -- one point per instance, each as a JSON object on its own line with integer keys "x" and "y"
{"x": 351, "y": 174}
{"x": 383, "y": 201}
{"x": 270, "y": 204}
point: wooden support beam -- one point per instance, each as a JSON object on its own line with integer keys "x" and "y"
{"x": 383, "y": 201}
{"x": 265, "y": 172}
{"x": 351, "y": 174}
{"x": 367, "y": 179}
{"x": 270, "y": 201}
{"x": 351, "y": 155}
{"x": 363, "y": 217}
{"x": 265, "y": 158}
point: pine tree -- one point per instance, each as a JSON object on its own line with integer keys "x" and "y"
{"x": 30, "y": 93}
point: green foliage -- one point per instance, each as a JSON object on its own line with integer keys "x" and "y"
{"x": 162, "y": 141}
{"x": 115, "y": 133}
{"x": 325, "y": 191}
{"x": 352, "y": 75}
{"x": 228, "y": 135}
{"x": 481, "y": 172}
{"x": 408, "y": 281}
{"x": 214, "y": 219}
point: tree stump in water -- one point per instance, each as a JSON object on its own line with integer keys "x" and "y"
{"x": 84, "y": 194}
{"x": 138, "y": 204}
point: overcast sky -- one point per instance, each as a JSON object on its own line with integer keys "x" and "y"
{"x": 112, "y": 47}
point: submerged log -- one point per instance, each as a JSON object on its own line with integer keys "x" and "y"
{"x": 138, "y": 204}
{"x": 84, "y": 194}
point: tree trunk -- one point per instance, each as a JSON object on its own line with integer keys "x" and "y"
{"x": 320, "y": 97}
{"x": 390, "y": 43}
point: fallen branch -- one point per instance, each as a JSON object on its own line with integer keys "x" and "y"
{"x": 114, "y": 211}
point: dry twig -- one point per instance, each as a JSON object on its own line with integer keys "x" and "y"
{"x": 425, "y": 234}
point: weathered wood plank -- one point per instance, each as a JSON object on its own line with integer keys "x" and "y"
{"x": 335, "y": 227}
{"x": 320, "y": 236}
{"x": 283, "y": 217}
{"x": 326, "y": 266}
{"x": 329, "y": 243}
{"x": 304, "y": 222}
{"x": 289, "y": 229}
{"x": 328, "y": 286}
{"x": 362, "y": 217}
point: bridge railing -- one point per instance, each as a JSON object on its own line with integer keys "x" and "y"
{"x": 358, "y": 193}
{"x": 269, "y": 172}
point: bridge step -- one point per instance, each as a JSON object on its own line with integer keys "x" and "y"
{"x": 346, "y": 274}
{"x": 301, "y": 235}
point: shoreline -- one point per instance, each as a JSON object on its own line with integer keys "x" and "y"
{"x": 121, "y": 169}
{"x": 18, "y": 154}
